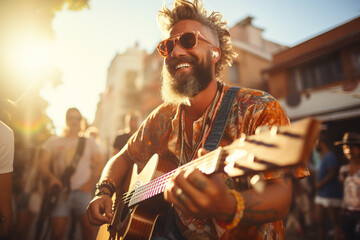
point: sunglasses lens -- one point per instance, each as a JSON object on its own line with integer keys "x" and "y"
{"x": 188, "y": 40}
{"x": 166, "y": 47}
{"x": 169, "y": 46}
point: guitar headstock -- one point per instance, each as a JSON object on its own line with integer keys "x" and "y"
{"x": 271, "y": 149}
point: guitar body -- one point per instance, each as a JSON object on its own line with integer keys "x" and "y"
{"x": 137, "y": 222}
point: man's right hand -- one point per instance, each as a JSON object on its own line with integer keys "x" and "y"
{"x": 99, "y": 210}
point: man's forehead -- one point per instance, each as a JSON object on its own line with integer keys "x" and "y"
{"x": 186, "y": 25}
{"x": 189, "y": 25}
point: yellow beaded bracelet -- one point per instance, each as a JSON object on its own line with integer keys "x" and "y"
{"x": 239, "y": 212}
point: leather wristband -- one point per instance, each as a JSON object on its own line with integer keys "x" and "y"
{"x": 101, "y": 192}
{"x": 108, "y": 184}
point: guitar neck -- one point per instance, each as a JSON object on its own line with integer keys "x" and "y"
{"x": 149, "y": 190}
{"x": 266, "y": 150}
{"x": 208, "y": 164}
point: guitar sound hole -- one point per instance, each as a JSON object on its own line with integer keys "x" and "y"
{"x": 124, "y": 213}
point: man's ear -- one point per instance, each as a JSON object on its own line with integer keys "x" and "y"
{"x": 216, "y": 54}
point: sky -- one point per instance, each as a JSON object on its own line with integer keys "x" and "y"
{"x": 86, "y": 41}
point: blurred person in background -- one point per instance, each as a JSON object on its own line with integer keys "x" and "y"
{"x": 131, "y": 124}
{"x": 6, "y": 169}
{"x": 7, "y": 149}
{"x": 58, "y": 156}
{"x": 329, "y": 195}
{"x": 350, "y": 176}
{"x": 30, "y": 195}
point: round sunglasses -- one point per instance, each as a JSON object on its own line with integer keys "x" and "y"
{"x": 186, "y": 40}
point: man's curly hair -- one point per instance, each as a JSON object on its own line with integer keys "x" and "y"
{"x": 184, "y": 9}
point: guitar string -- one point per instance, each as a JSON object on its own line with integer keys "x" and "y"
{"x": 163, "y": 179}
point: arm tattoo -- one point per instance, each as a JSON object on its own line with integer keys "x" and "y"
{"x": 251, "y": 213}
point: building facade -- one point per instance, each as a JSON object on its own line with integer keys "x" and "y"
{"x": 254, "y": 54}
{"x": 124, "y": 81}
{"x": 320, "y": 78}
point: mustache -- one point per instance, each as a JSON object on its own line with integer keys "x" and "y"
{"x": 185, "y": 59}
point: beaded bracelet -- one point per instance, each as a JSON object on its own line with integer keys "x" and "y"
{"x": 108, "y": 180}
{"x": 107, "y": 183}
{"x": 239, "y": 212}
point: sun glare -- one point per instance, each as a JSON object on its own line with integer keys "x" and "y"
{"x": 34, "y": 57}
{"x": 31, "y": 58}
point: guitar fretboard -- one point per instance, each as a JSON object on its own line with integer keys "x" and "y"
{"x": 149, "y": 190}
{"x": 207, "y": 164}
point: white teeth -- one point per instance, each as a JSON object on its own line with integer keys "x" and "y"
{"x": 182, "y": 65}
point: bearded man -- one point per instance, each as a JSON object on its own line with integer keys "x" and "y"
{"x": 197, "y": 46}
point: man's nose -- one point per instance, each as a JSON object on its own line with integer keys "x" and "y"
{"x": 178, "y": 50}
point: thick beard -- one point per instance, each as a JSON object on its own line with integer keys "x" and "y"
{"x": 180, "y": 89}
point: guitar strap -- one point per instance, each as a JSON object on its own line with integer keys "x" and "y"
{"x": 171, "y": 230}
{"x": 79, "y": 151}
{"x": 70, "y": 169}
{"x": 217, "y": 131}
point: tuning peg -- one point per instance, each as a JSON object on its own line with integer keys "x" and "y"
{"x": 274, "y": 130}
{"x": 257, "y": 183}
{"x": 262, "y": 129}
{"x": 251, "y": 157}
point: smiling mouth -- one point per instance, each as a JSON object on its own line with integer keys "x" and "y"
{"x": 182, "y": 66}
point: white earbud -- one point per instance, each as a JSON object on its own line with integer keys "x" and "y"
{"x": 215, "y": 54}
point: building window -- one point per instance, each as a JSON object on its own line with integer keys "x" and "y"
{"x": 234, "y": 76}
{"x": 317, "y": 73}
{"x": 355, "y": 57}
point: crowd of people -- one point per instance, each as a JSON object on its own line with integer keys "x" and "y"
{"x": 327, "y": 204}
{"x": 55, "y": 182}
{"x": 68, "y": 188}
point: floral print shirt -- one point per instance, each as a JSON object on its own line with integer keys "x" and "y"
{"x": 161, "y": 133}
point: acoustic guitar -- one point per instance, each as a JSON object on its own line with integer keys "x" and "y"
{"x": 136, "y": 211}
